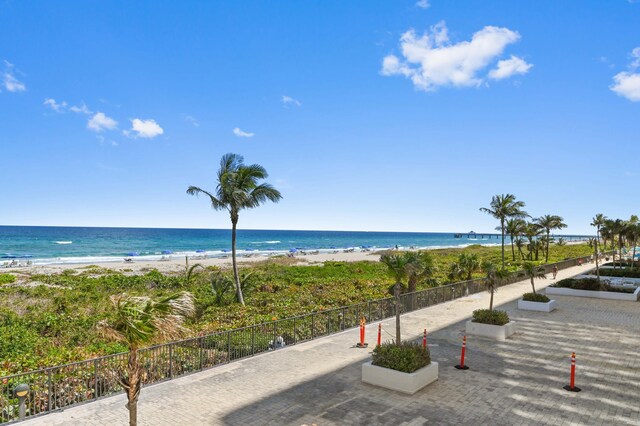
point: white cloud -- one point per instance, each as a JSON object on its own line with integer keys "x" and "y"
{"x": 627, "y": 83}
{"x": 431, "y": 60}
{"x": 144, "y": 129}
{"x": 82, "y": 109}
{"x": 288, "y": 100}
{"x": 192, "y": 120}
{"x": 57, "y": 107}
{"x": 509, "y": 67}
{"x": 242, "y": 134}
{"x": 423, "y": 4}
{"x": 9, "y": 80}
{"x": 635, "y": 54}
{"x": 100, "y": 122}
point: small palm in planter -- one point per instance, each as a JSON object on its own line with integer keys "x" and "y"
{"x": 487, "y": 322}
{"x": 405, "y": 367}
{"x": 534, "y": 301}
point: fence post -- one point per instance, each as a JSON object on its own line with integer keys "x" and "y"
{"x": 253, "y": 340}
{"x": 313, "y": 325}
{"x": 49, "y": 390}
{"x": 95, "y": 378}
{"x": 369, "y": 303}
{"x": 201, "y": 344}
{"x": 275, "y": 334}
{"x": 295, "y": 331}
{"x": 342, "y": 319}
{"x": 171, "y": 360}
{"x": 228, "y": 346}
{"x": 328, "y": 323}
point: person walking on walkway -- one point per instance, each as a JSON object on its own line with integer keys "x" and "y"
{"x": 555, "y": 271}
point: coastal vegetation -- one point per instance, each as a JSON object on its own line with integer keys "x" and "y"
{"x": 52, "y": 319}
{"x": 238, "y": 188}
{"x": 591, "y": 284}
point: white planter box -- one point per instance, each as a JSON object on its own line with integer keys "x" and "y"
{"x": 495, "y": 332}
{"x": 397, "y": 380}
{"x": 611, "y": 295}
{"x": 526, "y": 305}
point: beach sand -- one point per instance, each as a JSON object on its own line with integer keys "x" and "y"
{"x": 177, "y": 263}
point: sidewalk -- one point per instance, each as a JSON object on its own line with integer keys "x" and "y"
{"x": 514, "y": 382}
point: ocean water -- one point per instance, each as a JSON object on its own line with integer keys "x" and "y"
{"x": 46, "y": 245}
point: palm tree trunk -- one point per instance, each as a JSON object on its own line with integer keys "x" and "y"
{"x": 502, "y": 232}
{"x": 491, "y": 301}
{"x": 597, "y": 255}
{"x": 133, "y": 386}
{"x": 236, "y": 277}
{"x": 533, "y": 286}
{"x": 396, "y": 293}
{"x": 513, "y": 251}
{"x": 546, "y": 259}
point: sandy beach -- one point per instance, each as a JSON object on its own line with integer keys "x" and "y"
{"x": 176, "y": 264}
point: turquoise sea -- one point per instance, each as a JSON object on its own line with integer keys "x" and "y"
{"x": 45, "y": 245}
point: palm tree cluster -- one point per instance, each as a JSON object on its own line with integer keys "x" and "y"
{"x": 533, "y": 235}
{"x": 619, "y": 233}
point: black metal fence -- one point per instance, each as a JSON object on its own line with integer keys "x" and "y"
{"x": 59, "y": 387}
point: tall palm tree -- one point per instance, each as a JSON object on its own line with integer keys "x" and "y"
{"x": 533, "y": 271}
{"x": 515, "y": 228}
{"x": 398, "y": 268}
{"x": 598, "y": 221}
{"x": 532, "y": 232}
{"x": 139, "y": 321}
{"x": 503, "y": 207}
{"x": 237, "y": 189}
{"x": 548, "y": 223}
{"x": 633, "y": 233}
{"x": 493, "y": 278}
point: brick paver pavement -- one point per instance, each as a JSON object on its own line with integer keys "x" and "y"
{"x": 517, "y": 382}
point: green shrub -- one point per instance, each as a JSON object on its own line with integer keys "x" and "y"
{"x": 7, "y": 278}
{"x": 624, "y": 273}
{"x": 535, "y": 297}
{"x": 408, "y": 357}
{"x": 591, "y": 284}
{"x": 485, "y": 316}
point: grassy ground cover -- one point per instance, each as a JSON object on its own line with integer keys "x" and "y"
{"x": 50, "y": 319}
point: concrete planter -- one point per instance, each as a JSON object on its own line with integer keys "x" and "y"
{"x": 495, "y": 332}
{"x": 611, "y": 295}
{"x": 397, "y": 380}
{"x": 526, "y": 305}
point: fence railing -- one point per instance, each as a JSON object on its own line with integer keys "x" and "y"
{"x": 59, "y": 387}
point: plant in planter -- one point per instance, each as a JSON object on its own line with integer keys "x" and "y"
{"x": 534, "y": 301}
{"x": 592, "y": 287}
{"x": 405, "y": 367}
{"x": 487, "y": 322}
{"x": 411, "y": 266}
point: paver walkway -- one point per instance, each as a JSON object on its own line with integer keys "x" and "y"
{"x": 517, "y": 382}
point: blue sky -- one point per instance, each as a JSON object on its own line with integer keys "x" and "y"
{"x": 385, "y": 115}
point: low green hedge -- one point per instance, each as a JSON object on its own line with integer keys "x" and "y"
{"x": 407, "y": 357}
{"x": 591, "y": 284}
{"x": 7, "y": 278}
{"x": 485, "y": 316}
{"x": 535, "y": 297}
{"x": 624, "y": 273}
